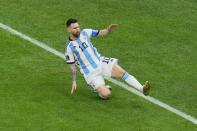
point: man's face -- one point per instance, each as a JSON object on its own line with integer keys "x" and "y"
{"x": 74, "y": 29}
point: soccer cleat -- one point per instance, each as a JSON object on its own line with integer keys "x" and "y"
{"x": 146, "y": 88}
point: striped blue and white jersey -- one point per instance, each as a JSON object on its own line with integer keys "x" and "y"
{"x": 82, "y": 51}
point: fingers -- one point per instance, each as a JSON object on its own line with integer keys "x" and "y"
{"x": 72, "y": 90}
{"x": 74, "y": 87}
{"x": 114, "y": 25}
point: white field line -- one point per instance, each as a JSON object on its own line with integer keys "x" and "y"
{"x": 61, "y": 55}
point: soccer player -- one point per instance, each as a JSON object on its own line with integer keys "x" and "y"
{"x": 80, "y": 51}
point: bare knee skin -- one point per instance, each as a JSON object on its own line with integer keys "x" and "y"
{"x": 104, "y": 92}
{"x": 117, "y": 71}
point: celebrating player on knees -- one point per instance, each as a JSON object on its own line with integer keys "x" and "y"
{"x": 80, "y": 51}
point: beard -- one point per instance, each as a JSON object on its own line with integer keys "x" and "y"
{"x": 76, "y": 34}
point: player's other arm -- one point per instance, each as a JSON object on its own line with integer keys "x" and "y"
{"x": 70, "y": 60}
{"x": 107, "y": 30}
{"x": 73, "y": 70}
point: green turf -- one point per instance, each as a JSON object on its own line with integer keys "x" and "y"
{"x": 156, "y": 41}
{"x": 34, "y": 97}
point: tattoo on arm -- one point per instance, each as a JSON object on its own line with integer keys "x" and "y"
{"x": 73, "y": 69}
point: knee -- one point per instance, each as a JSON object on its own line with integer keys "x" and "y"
{"x": 104, "y": 93}
{"x": 105, "y": 96}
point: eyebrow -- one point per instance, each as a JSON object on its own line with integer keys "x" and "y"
{"x": 76, "y": 27}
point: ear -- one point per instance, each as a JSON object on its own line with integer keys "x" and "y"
{"x": 68, "y": 29}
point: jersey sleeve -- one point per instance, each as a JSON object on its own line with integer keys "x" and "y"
{"x": 70, "y": 58}
{"x": 91, "y": 32}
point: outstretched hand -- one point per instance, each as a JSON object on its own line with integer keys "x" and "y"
{"x": 112, "y": 27}
{"x": 74, "y": 87}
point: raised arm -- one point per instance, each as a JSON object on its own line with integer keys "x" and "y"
{"x": 107, "y": 30}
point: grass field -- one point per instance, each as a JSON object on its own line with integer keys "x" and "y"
{"x": 156, "y": 41}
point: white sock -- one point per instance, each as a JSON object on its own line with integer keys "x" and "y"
{"x": 131, "y": 80}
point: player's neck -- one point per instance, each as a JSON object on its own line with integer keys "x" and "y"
{"x": 72, "y": 37}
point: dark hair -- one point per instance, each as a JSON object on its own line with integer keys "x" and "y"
{"x": 70, "y": 21}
